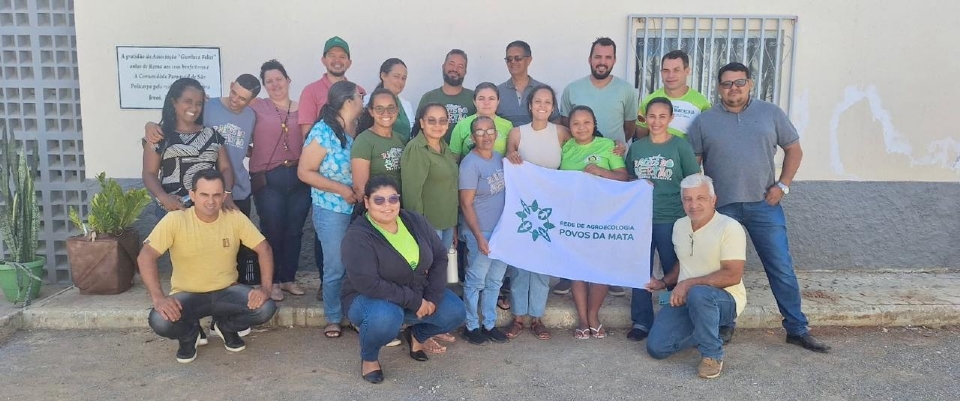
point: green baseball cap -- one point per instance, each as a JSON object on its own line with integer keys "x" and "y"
{"x": 336, "y": 41}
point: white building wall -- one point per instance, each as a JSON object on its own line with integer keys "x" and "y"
{"x": 875, "y": 87}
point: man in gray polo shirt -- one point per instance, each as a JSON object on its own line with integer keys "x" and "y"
{"x": 514, "y": 91}
{"x": 737, "y": 141}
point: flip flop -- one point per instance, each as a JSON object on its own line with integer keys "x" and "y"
{"x": 332, "y": 330}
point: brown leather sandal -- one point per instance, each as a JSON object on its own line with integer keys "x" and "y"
{"x": 515, "y": 329}
{"x": 539, "y": 329}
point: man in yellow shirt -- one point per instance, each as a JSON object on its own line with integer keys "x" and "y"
{"x": 203, "y": 242}
{"x": 709, "y": 293}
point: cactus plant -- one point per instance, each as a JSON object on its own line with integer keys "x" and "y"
{"x": 19, "y": 211}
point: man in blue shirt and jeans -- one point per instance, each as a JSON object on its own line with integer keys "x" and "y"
{"x": 737, "y": 141}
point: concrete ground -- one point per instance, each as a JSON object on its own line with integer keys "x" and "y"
{"x": 299, "y": 364}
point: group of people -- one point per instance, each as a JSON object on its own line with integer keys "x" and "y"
{"x": 391, "y": 189}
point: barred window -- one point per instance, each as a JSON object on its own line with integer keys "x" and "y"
{"x": 763, "y": 43}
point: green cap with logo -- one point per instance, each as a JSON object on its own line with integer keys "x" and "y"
{"x": 336, "y": 41}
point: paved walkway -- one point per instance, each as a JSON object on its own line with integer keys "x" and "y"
{"x": 831, "y": 298}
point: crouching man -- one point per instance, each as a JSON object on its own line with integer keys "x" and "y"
{"x": 709, "y": 292}
{"x": 203, "y": 242}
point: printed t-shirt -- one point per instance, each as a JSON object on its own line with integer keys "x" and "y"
{"x": 237, "y": 132}
{"x": 685, "y": 109}
{"x": 183, "y": 155}
{"x": 458, "y": 106}
{"x": 204, "y": 255}
{"x": 576, "y": 157}
{"x": 665, "y": 164}
{"x": 486, "y": 177}
{"x": 382, "y": 153}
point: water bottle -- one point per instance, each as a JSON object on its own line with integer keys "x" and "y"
{"x": 453, "y": 274}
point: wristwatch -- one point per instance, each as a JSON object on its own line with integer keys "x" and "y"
{"x": 784, "y": 187}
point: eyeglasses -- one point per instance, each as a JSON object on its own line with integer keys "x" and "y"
{"x": 691, "y": 244}
{"x": 739, "y": 83}
{"x": 436, "y": 121}
{"x": 380, "y": 110}
{"x": 359, "y": 96}
{"x": 379, "y": 200}
{"x": 485, "y": 132}
{"x": 515, "y": 59}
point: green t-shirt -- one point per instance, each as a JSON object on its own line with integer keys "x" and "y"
{"x": 402, "y": 241}
{"x": 461, "y": 141}
{"x": 665, "y": 164}
{"x": 576, "y": 157}
{"x": 685, "y": 110}
{"x": 382, "y": 153}
{"x": 458, "y": 107}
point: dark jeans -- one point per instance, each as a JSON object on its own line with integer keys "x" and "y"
{"x": 247, "y": 262}
{"x": 696, "y": 323}
{"x": 767, "y": 227}
{"x": 379, "y": 320}
{"x": 641, "y": 305}
{"x": 227, "y": 306}
{"x": 283, "y": 205}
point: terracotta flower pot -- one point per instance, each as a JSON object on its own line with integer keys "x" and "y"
{"x": 105, "y": 266}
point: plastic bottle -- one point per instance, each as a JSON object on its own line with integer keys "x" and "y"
{"x": 453, "y": 273}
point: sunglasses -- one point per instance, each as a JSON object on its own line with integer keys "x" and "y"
{"x": 739, "y": 83}
{"x": 379, "y": 200}
{"x": 515, "y": 59}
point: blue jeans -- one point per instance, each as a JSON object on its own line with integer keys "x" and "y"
{"x": 227, "y": 306}
{"x": 482, "y": 285}
{"x": 528, "y": 292}
{"x": 446, "y": 237}
{"x": 379, "y": 320}
{"x": 696, "y": 323}
{"x": 330, "y": 227}
{"x": 283, "y": 205}
{"x": 641, "y": 304}
{"x": 767, "y": 227}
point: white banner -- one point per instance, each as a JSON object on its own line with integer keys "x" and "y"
{"x": 575, "y": 225}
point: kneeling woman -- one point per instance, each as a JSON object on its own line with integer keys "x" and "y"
{"x": 587, "y": 151}
{"x": 396, "y": 274}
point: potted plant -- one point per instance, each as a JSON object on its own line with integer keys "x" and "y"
{"x": 22, "y": 269}
{"x": 104, "y": 259}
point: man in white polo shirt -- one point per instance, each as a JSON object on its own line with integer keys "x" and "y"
{"x": 709, "y": 292}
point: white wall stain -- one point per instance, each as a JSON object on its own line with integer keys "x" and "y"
{"x": 942, "y": 152}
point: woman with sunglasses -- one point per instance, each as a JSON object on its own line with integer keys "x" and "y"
{"x": 486, "y": 98}
{"x": 325, "y": 166}
{"x": 481, "y": 200}
{"x": 377, "y": 148}
{"x": 429, "y": 174}
{"x": 396, "y": 274}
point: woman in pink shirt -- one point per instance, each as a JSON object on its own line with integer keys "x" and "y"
{"x": 282, "y": 200}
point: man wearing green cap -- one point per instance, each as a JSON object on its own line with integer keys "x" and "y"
{"x": 336, "y": 59}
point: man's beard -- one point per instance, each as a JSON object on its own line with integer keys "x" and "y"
{"x": 452, "y": 81}
{"x": 599, "y": 75}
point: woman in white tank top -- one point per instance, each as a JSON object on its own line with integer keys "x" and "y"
{"x": 539, "y": 143}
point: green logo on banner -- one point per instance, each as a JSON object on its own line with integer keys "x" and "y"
{"x": 535, "y": 220}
